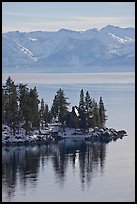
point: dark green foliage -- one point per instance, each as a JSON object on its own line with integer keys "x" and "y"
{"x": 102, "y": 115}
{"x": 82, "y": 111}
{"x": 54, "y": 108}
{"x": 47, "y": 115}
{"x": 24, "y": 107}
{"x": 69, "y": 120}
{"x": 82, "y": 119}
{"x": 59, "y": 107}
{"x": 3, "y": 105}
{"x": 90, "y": 113}
{"x": 10, "y": 106}
{"x": 82, "y": 101}
{"x": 42, "y": 113}
{"x": 88, "y": 102}
{"x": 89, "y": 109}
{"x": 95, "y": 118}
{"x": 33, "y": 101}
{"x": 20, "y": 108}
{"x": 62, "y": 105}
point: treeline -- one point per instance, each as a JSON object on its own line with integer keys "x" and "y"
{"x": 21, "y": 108}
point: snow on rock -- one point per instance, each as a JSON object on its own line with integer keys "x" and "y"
{"x": 46, "y": 135}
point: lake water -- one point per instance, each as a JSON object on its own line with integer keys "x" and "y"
{"x": 76, "y": 171}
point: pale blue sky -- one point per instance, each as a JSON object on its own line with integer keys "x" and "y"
{"x": 52, "y": 16}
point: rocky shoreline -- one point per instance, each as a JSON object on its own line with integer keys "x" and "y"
{"x": 53, "y": 133}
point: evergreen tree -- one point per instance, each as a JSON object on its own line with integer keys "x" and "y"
{"x": 87, "y": 102}
{"x": 89, "y": 107}
{"x": 42, "y": 113}
{"x": 102, "y": 115}
{"x": 60, "y": 107}
{"x": 24, "y": 107}
{"x": 3, "y": 105}
{"x": 29, "y": 112}
{"x": 20, "y": 108}
{"x": 82, "y": 111}
{"x": 23, "y": 93}
{"x": 82, "y": 123}
{"x": 14, "y": 108}
{"x": 54, "y": 107}
{"x": 82, "y": 101}
{"x": 95, "y": 118}
{"x": 69, "y": 120}
{"x": 47, "y": 115}
{"x": 34, "y": 113}
{"x": 11, "y": 106}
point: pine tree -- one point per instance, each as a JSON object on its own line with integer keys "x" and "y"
{"x": 47, "y": 115}
{"x": 102, "y": 115}
{"x": 89, "y": 107}
{"x": 42, "y": 113}
{"x": 3, "y": 105}
{"x": 23, "y": 93}
{"x": 60, "y": 107}
{"x": 82, "y": 101}
{"x": 95, "y": 118}
{"x": 24, "y": 107}
{"x": 20, "y": 108}
{"x": 63, "y": 106}
{"x": 82, "y": 111}
{"x": 87, "y": 102}
{"x": 34, "y": 116}
{"x": 28, "y": 108}
{"x": 11, "y": 106}
{"x": 14, "y": 108}
{"x": 54, "y": 107}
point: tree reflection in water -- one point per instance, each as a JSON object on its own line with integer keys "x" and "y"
{"x": 24, "y": 162}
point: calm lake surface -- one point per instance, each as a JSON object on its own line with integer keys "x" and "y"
{"x": 76, "y": 171}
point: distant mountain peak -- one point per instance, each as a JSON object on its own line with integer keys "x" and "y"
{"x": 67, "y": 49}
{"x": 63, "y": 30}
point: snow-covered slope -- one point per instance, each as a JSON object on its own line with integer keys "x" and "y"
{"x": 107, "y": 49}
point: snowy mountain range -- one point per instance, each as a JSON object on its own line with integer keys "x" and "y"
{"x": 109, "y": 49}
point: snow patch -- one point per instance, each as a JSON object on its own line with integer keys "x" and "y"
{"x": 33, "y": 39}
{"x": 26, "y": 51}
{"x": 121, "y": 40}
{"x": 76, "y": 111}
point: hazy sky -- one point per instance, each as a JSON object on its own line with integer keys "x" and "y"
{"x": 52, "y": 16}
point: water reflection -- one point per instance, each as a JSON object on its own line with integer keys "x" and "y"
{"x": 23, "y": 164}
